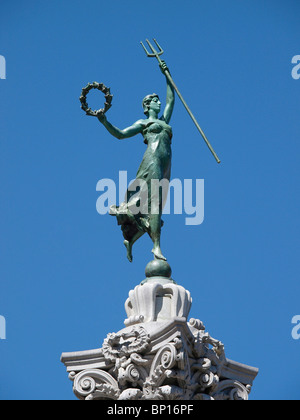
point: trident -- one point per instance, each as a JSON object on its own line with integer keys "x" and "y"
{"x": 157, "y": 54}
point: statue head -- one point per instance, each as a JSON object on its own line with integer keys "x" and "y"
{"x": 146, "y": 102}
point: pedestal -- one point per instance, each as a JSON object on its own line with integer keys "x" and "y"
{"x": 159, "y": 355}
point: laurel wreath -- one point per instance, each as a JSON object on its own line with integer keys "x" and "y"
{"x": 102, "y": 88}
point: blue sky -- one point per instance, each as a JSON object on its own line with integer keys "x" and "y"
{"x": 63, "y": 270}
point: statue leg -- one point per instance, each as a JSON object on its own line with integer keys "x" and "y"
{"x": 129, "y": 244}
{"x": 155, "y": 231}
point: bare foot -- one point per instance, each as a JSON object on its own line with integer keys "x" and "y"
{"x": 158, "y": 254}
{"x": 129, "y": 250}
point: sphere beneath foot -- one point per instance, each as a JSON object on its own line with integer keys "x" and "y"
{"x": 158, "y": 268}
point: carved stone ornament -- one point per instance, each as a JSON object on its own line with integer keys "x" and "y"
{"x": 159, "y": 356}
{"x": 156, "y": 302}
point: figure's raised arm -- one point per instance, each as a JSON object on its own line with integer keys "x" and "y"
{"x": 128, "y": 132}
{"x": 170, "y": 101}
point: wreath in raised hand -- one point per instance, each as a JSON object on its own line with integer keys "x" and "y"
{"x": 102, "y": 88}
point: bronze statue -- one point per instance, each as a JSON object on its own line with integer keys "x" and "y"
{"x": 156, "y": 163}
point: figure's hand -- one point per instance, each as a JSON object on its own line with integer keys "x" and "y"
{"x": 101, "y": 116}
{"x": 164, "y": 67}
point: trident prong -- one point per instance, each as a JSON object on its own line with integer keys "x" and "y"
{"x": 166, "y": 71}
{"x": 154, "y": 52}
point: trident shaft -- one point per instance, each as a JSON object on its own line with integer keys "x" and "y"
{"x": 157, "y": 54}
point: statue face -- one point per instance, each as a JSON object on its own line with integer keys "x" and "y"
{"x": 155, "y": 104}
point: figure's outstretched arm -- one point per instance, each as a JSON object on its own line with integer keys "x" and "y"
{"x": 131, "y": 131}
{"x": 170, "y": 101}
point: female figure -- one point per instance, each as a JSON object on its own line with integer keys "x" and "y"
{"x": 156, "y": 165}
